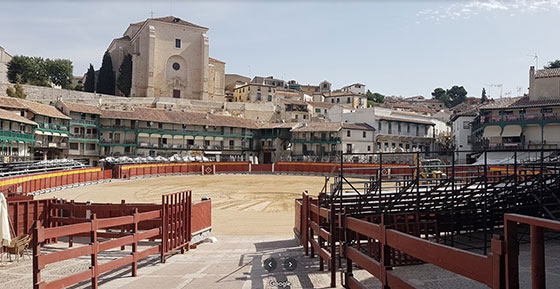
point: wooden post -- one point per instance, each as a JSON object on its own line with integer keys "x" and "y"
{"x": 37, "y": 230}
{"x": 95, "y": 250}
{"x": 385, "y": 253}
{"x": 135, "y": 243}
{"x": 332, "y": 241}
{"x": 538, "y": 277}
{"x": 512, "y": 254}
{"x": 70, "y": 217}
{"x": 498, "y": 274}
{"x": 304, "y": 212}
{"x": 123, "y": 227}
{"x": 163, "y": 227}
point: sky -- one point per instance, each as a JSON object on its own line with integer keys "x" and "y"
{"x": 401, "y": 48}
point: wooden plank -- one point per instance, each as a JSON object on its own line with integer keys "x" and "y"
{"x": 107, "y": 245}
{"x": 149, "y": 234}
{"x": 540, "y": 222}
{"x": 320, "y": 231}
{"x": 323, "y": 253}
{"x": 114, "y": 222}
{"x": 68, "y": 281}
{"x": 69, "y": 221}
{"x": 365, "y": 228}
{"x": 148, "y": 252}
{"x": 467, "y": 264}
{"x": 353, "y": 283}
{"x": 325, "y": 213}
{"x": 365, "y": 262}
{"x": 67, "y": 230}
{"x": 395, "y": 282}
{"x": 114, "y": 264}
{"x": 45, "y": 259}
{"x": 150, "y": 215}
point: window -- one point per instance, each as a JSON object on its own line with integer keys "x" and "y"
{"x": 304, "y": 116}
{"x": 231, "y": 143}
{"x": 318, "y": 110}
{"x": 332, "y": 100}
{"x": 364, "y": 135}
{"x": 348, "y": 100}
{"x": 407, "y": 146}
{"x": 348, "y": 133}
{"x": 349, "y": 148}
{"x": 547, "y": 110}
{"x": 206, "y": 143}
{"x": 90, "y": 147}
{"x": 176, "y": 93}
{"x": 408, "y": 128}
{"x": 117, "y": 122}
{"x": 74, "y": 146}
{"x": 425, "y": 130}
{"x": 466, "y": 125}
{"x": 177, "y": 43}
{"x": 231, "y": 130}
{"x": 399, "y": 128}
{"x": 338, "y": 100}
{"x": 259, "y": 96}
{"x": 368, "y": 148}
{"x": 269, "y": 97}
{"x": 390, "y": 127}
{"x": 379, "y": 126}
{"x": 176, "y": 66}
{"x": 417, "y": 130}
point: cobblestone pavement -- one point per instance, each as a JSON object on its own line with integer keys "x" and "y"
{"x": 236, "y": 262}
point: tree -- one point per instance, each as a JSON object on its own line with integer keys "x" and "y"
{"x": 457, "y": 95}
{"x": 30, "y": 69}
{"x": 89, "y": 85}
{"x": 17, "y": 90}
{"x": 59, "y": 72}
{"x": 553, "y": 64}
{"x": 79, "y": 87}
{"x": 438, "y": 93}
{"x": 106, "y": 78}
{"x": 484, "y": 97}
{"x": 375, "y": 97}
{"x": 124, "y": 82}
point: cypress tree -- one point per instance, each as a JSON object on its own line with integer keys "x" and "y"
{"x": 106, "y": 80}
{"x": 89, "y": 85}
{"x": 124, "y": 81}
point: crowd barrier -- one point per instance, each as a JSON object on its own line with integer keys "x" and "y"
{"x": 21, "y": 185}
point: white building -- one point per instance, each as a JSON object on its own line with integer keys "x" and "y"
{"x": 462, "y": 140}
{"x": 356, "y": 88}
{"x": 350, "y": 99}
{"x": 5, "y": 57}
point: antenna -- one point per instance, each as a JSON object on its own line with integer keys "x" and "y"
{"x": 497, "y": 85}
{"x": 171, "y": 8}
{"x": 536, "y": 58}
{"x": 152, "y": 14}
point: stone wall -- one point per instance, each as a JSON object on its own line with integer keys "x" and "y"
{"x": 47, "y": 95}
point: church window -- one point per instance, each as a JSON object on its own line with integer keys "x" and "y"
{"x": 176, "y": 93}
{"x": 177, "y": 43}
{"x": 176, "y": 66}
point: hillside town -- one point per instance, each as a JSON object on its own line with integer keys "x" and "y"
{"x": 180, "y": 102}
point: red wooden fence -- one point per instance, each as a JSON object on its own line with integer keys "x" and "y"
{"x": 91, "y": 228}
{"x": 176, "y": 212}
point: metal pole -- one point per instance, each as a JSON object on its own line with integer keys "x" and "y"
{"x": 485, "y": 199}
{"x": 453, "y": 199}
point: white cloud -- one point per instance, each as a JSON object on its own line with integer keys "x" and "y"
{"x": 464, "y": 10}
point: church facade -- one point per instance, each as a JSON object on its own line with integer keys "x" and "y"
{"x": 170, "y": 59}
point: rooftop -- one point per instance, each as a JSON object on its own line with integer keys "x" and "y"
{"x": 34, "y": 107}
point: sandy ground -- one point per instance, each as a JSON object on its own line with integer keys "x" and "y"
{"x": 241, "y": 204}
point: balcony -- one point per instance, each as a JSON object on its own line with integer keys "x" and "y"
{"x": 84, "y": 136}
{"x": 52, "y": 126}
{"x": 17, "y": 135}
{"x": 535, "y": 118}
{"x": 118, "y": 142}
{"x": 88, "y": 122}
{"x": 328, "y": 140}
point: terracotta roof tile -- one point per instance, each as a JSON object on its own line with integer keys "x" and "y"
{"x": 72, "y": 106}
{"x": 8, "y": 115}
{"x": 319, "y": 126}
{"x": 357, "y": 125}
{"x": 172, "y": 19}
{"x": 35, "y": 107}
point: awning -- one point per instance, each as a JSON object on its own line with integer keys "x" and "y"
{"x": 199, "y": 138}
{"x": 47, "y": 133}
{"x": 143, "y": 135}
{"x": 189, "y": 137}
{"x": 212, "y": 153}
{"x": 492, "y": 131}
{"x": 63, "y": 135}
{"x": 218, "y": 138}
{"x": 167, "y": 136}
{"x": 511, "y": 131}
{"x": 39, "y": 132}
{"x": 56, "y": 134}
{"x": 178, "y": 137}
{"x": 156, "y": 135}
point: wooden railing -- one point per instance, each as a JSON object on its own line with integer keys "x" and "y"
{"x": 91, "y": 228}
{"x": 537, "y": 227}
{"x": 484, "y": 269}
{"x": 176, "y": 223}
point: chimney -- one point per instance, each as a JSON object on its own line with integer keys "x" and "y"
{"x": 531, "y": 82}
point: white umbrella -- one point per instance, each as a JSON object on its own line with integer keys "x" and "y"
{"x": 5, "y": 237}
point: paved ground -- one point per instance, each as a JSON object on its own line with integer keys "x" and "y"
{"x": 236, "y": 262}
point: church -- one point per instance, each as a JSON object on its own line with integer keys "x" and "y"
{"x": 170, "y": 59}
